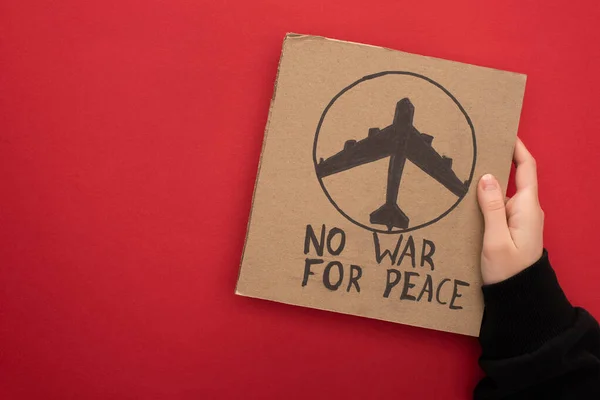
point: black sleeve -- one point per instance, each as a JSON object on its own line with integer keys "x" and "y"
{"x": 535, "y": 344}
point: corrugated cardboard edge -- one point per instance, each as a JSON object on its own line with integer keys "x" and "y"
{"x": 516, "y": 136}
{"x": 260, "y": 160}
{"x": 299, "y": 36}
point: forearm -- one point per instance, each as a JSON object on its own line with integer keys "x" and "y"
{"x": 534, "y": 343}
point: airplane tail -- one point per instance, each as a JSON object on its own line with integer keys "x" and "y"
{"x": 389, "y": 215}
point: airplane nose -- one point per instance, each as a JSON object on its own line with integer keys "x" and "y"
{"x": 404, "y": 112}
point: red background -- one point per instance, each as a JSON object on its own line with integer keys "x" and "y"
{"x": 130, "y": 133}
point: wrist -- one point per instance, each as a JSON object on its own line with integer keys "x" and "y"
{"x": 524, "y": 311}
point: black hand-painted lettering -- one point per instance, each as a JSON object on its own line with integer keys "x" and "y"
{"x": 427, "y": 257}
{"x": 354, "y": 278}
{"x": 327, "y": 271}
{"x": 456, "y": 295}
{"x": 389, "y": 284}
{"x": 379, "y": 257}
{"x": 310, "y": 237}
{"x": 439, "y": 288}
{"x": 409, "y": 249}
{"x": 330, "y": 236}
{"x": 407, "y": 286}
{"x": 427, "y": 287}
{"x": 307, "y": 272}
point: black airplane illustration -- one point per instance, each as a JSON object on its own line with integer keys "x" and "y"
{"x": 399, "y": 141}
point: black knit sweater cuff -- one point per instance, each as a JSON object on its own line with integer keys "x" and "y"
{"x": 523, "y": 312}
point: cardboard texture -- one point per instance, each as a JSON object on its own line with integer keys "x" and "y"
{"x": 365, "y": 201}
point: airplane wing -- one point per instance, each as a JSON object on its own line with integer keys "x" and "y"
{"x": 438, "y": 167}
{"x": 377, "y": 145}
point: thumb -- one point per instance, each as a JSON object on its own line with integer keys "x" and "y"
{"x": 491, "y": 202}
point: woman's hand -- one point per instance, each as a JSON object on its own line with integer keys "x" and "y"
{"x": 513, "y": 237}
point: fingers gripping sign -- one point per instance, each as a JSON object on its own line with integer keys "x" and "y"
{"x": 513, "y": 236}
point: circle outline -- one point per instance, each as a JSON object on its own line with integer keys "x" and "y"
{"x": 377, "y": 75}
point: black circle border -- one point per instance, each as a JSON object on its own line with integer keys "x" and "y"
{"x": 377, "y": 75}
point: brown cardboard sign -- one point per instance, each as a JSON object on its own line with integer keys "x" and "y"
{"x": 365, "y": 201}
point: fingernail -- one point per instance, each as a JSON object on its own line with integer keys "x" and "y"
{"x": 489, "y": 183}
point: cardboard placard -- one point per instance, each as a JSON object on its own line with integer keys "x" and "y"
{"x": 365, "y": 201}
